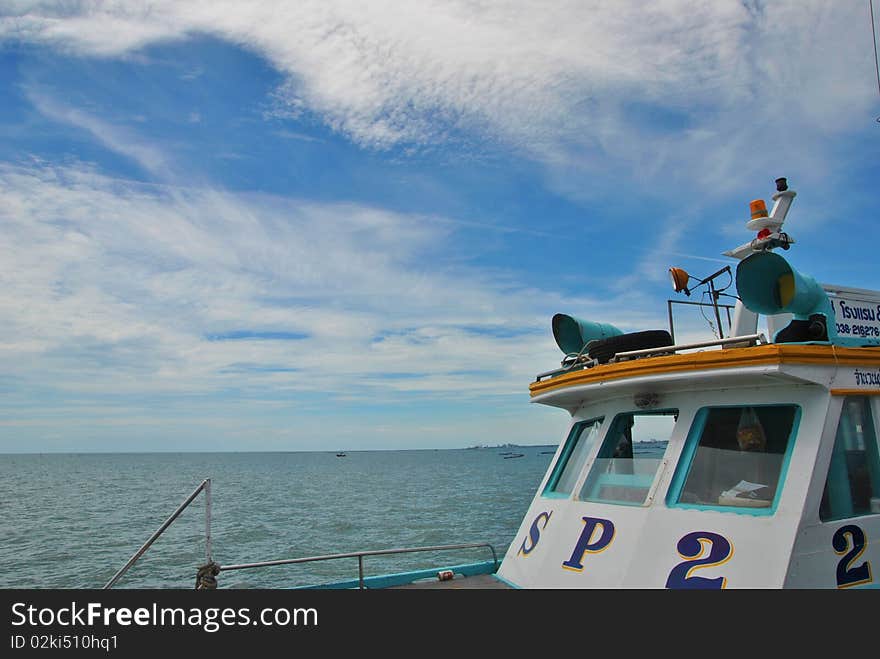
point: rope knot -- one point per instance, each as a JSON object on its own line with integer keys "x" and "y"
{"x": 206, "y": 577}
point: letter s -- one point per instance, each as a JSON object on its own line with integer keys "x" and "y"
{"x": 535, "y": 533}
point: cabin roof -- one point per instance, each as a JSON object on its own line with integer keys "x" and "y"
{"x": 750, "y": 365}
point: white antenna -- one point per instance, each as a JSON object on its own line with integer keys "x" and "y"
{"x": 769, "y": 226}
{"x": 770, "y": 235}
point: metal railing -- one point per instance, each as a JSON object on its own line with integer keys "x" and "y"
{"x": 727, "y": 308}
{"x": 206, "y": 486}
{"x": 585, "y": 361}
{"x": 207, "y": 572}
{"x": 745, "y": 340}
{"x": 360, "y": 556}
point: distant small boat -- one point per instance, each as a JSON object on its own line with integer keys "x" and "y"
{"x": 514, "y": 455}
{"x": 341, "y": 455}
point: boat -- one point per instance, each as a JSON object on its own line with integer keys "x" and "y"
{"x": 743, "y": 461}
{"x": 341, "y": 454}
{"x": 747, "y": 461}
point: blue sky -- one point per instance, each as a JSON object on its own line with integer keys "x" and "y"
{"x": 334, "y": 225}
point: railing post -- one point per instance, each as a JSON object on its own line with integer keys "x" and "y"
{"x": 361, "y": 571}
{"x": 208, "y": 558}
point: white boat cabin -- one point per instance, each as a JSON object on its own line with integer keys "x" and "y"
{"x": 745, "y": 462}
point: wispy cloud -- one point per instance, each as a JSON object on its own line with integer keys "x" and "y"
{"x": 586, "y": 86}
{"x": 116, "y": 138}
{"x": 256, "y": 335}
{"x": 293, "y": 135}
{"x": 107, "y": 282}
{"x": 178, "y": 303}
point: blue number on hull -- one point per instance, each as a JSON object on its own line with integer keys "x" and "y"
{"x": 850, "y": 541}
{"x": 692, "y": 547}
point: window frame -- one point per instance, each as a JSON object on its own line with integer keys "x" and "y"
{"x": 692, "y": 442}
{"x": 872, "y": 407}
{"x": 663, "y": 461}
{"x": 571, "y": 442}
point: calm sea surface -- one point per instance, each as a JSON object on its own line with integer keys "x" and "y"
{"x": 73, "y": 520}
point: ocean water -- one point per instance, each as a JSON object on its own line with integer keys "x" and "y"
{"x": 73, "y": 520}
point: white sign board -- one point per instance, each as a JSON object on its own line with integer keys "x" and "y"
{"x": 857, "y": 312}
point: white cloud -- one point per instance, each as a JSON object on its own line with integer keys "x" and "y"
{"x": 112, "y": 291}
{"x": 642, "y": 88}
{"x": 113, "y": 137}
{"x": 107, "y": 282}
{"x": 106, "y": 279}
{"x": 110, "y": 288}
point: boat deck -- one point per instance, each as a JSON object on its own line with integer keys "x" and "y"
{"x": 477, "y": 581}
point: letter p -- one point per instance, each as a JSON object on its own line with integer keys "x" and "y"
{"x": 596, "y": 535}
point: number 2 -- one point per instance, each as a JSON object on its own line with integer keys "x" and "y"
{"x": 700, "y": 549}
{"x": 851, "y": 538}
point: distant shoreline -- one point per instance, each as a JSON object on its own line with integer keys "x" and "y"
{"x": 329, "y": 451}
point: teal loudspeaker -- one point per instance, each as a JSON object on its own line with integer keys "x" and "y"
{"x": 572, "y": 334}
{"x": 768, "y": 285}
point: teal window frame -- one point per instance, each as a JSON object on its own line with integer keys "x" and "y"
{"x": 839, "y": 484}
{"x": 685, "y": 462}
{"x": 575, "y": 435}
{"x": 595, "y": 481}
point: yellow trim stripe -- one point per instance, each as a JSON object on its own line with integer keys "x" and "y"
{"x": 774, "y": 353}
{"x": 855, "y": 392}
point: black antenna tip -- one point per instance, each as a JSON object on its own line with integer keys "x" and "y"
{"x": 781, "y": 185}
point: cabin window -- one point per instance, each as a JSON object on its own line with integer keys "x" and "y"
{"x": 852, "y": 487}
{"x": 573, "y": 457}
{"x": 629, "y": 458}
{"x": 735, "y": 457}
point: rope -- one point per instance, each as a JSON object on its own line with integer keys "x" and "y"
{"x": 206, "y": 577}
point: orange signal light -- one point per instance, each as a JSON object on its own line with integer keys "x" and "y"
{"x": 758, "y": 209}
{"x": 679, "y": 280}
